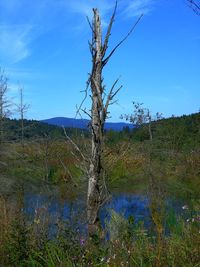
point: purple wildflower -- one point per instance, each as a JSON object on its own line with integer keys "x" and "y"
{"x": 82, "y": 241}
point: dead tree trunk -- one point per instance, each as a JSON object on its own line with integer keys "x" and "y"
{"x": 22, "y": 109}
{"x": 22, "y": 116}
{"x": 99, "y": 112}
{"x": 95, "y": 170}
{"x": 4, "y": 104}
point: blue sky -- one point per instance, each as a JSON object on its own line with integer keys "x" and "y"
{"x": 44, "y": 47}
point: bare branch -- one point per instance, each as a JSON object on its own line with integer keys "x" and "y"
{"x": 90, "y": 24}
{"x": 195, "y": 6}
{"x": 114, "y": 102}
{"x": 122, "y": 41}
{"x": 87, "y": 113}
{"x": 85, "y": 97}
{"x": 110, "y": 97}
{"x": 116, "y": 92}
{"x": 86, "y": 159}
{"x": 74, "y": 144}
{"x": 105, "y": 46}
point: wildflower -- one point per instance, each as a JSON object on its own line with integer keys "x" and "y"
{"x": 108, "y": 260}
{"x": 37, "y": 221}
{"x": 102, "y": 259}
{"x": 187, "y": 220}
{"x": 185, "y": 207}
{"x": 82, "y": 241}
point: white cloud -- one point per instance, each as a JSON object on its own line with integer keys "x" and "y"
{"x": 14, "y": 43}
{"x": 85, "y": 7}
{"x": 15, "y": 39}
{"x": 137, "y": 7}
{"x": 129, "y": 7}
{"x": 13, "y": 88}
{"x": 126, "y": 9}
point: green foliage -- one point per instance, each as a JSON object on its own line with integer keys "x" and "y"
{"x": 167, "y": 167}
{"x": 35, "y": 129}
{"x": 177, "y": 133}
{"x": 130, "y": 244}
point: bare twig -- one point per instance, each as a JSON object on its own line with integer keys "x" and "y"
{"x": 74, "y": 145}
{"x": 86, "y": 95}
{"x": 86, "y": 112}
{"x": 105, "y": 46}
{"x": 195, "y": 6}
{"x": 110, "y": 97}
{"x": 122, "y": 41}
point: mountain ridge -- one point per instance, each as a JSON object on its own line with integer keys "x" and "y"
{"x": 84, "y": 123}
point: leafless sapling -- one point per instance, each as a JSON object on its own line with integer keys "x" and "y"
{"x": 22, "y": 109}
{"x": 4, "y": 102}
{"x": 142, "y": 116}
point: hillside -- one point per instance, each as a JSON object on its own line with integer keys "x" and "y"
{"x": 34, "y": 129}
{"x": 177, "y": 132}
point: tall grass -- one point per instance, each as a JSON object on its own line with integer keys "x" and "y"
{"x": 26, "y": 242}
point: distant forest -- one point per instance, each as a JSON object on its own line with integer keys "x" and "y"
{"x": 181, "y": 132}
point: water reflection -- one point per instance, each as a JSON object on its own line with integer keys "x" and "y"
{"x": 125, "y": 204}
{"x": 52, "y": 210}
{"x": 128, "y": 205}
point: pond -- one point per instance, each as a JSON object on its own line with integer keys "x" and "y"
{"x": 51, "y": 206}
{"x": 73, "y": 211}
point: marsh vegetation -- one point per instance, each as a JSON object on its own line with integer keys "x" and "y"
{"x": 151, "y": 219}
{"x": 71, "y": 197}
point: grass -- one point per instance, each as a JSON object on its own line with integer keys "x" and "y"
{"x": 24, "y": 243}
{"x": 138, "y": 167}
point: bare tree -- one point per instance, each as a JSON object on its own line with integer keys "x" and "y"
{"x": 142, "y": 116}
{"x": 99, "y": 113}
{"x": 22, "y": 109}
{"x": 4, "y": 103}
{"x": 195, "y": 5}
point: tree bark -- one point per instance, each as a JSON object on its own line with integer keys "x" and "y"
{"x": 95, "y": 170}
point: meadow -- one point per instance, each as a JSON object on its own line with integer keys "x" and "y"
{"x": 43, "y": 195}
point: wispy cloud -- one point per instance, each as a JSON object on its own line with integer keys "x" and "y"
{"x": 14, "y": 42}
{"x": 130, "y": 7}
{"x": 137, "y": 7}
{"x": 18, "y": 32}
{"x": 14, "y": 89}
{"x": 85, "y": 7}
{"x": 126, "y": 9}
{"x": 18, "y": 74}
{"x": 21, "y": 22}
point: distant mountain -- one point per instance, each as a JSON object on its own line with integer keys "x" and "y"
{"x": 83, "y": 123}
